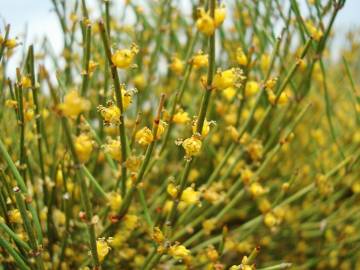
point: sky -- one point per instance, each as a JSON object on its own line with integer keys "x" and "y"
{"x": 40, "y": 19}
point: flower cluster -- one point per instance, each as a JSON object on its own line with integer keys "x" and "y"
{"x": 264, "y": 172}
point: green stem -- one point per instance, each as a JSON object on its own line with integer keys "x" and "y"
{"x": 85, "y": 71}
{"x": 38, "y": 120}
{"x": 145, "y": 208}
{"x": 283, "y": 265}
{"x": 21, "y": 120}
{"x": 210, "y": 75}
{"x": 20, "y": 182}
{"x": 14, "y": 236}
{"x": 29, "y": 230}
{"x": 84, "y": 195}
{"x": 119, "y": 103}
{"x": 18, "y": 260}
{"x": 2, "y": 47}
{"x": 129, "y": 195}
{"x": 93, "y": 181}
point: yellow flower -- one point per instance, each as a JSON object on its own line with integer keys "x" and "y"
{"x": 133, "y": 163}
{"x": 157, "y": 235}
{"x": 212, "y": 195}
{"x": 246, "y": 175}
{"x": 241, "y": 57}
{"x": 176, "y": 66}
{"x": 256, "y": 189}
{"x": 234, "y": 134}
{"x": 113, "y": 148}
{"x": 265, "y": 62}
{"x": 139, "y": 81}
{"x": 115, "y": 201}
{"x": 25, "y": 82}
{"x": 205, "y": 23}
{"x": 271, "y": 97}
{"x": 193, "y": 175}
{"x": 92, "y": 66}
{"x": 252, "y": 87}
{"x": 200, "y": 60}
{"x": 228, "y": 78}
{"x": 126, "y": 96}
{"x": 120, "y": 238}
{"x": 73, "y": 104}
{"x": 212, "y": 254}
{"x": 179, "y": 252}
{"x": 229, "y": 93}
{"x": 10, "y": 103}
{"x": 270, "y": 220}
{"x": 264, "y": 205}
{"x": 168, "y": 206}
{"x": 29, "y": 114}
{"x": 59, "y": 178}
{"x": 15, "y": 216}
{"x": 59, "y": 218}
{"x": 181, "y": 117}
{"x": 130, "y": 222}
{"x": 255, "y": 150}
{"x": 111, "y": 114}
{"x": 270, "y": 83}
{"x": 205, "y": 128}
{"x": 161, "y": 129}
{"x": 172, "y": 190}
{"x": 123, "y": 58}
{"x": 190, "y": 196}
{"x": 219, "y": 16}
{"x": 83, "y": 147}
{"x": 355, "y": 187}
{"x": 315, "y": 33}
{"x": 192, "y": 146}
{"x": 102, "y": 248}
{"x": 209, "y": 225}
{"x": 11, "y": 43}
{"x": 144, "y": 136}
{"x": 283, "y": 98}
{"x": 73, "y": 17}
{"x": 325, "y": 186}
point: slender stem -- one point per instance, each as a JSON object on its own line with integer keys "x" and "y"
{"x": 2, "y": 47}
{"x": 119, "y": 103}
{"x": 283, "y": 265}
{"x": 20, "y": 182}
{"x": 282, "y": 87}
{"x": 93, "y": 181}
{"x": 21, "y": 120}
{"x": 29, "y": 230}
{"x": 85, "y": 71}
{"x": 210, "y": 75}
{"x": 183, "y": 180}
{"x": 14, "y": 236}
{"x": 84, "y": 195}
{"x": 129, "y": 195}
{"x": 83, "y": 190}
{"x": 148, "y": 218}
{"x": 18, "y": 260}
{"x": 38, "y": 120}
{"x": 200, "y": 123}
{"x": 207, "y": 94}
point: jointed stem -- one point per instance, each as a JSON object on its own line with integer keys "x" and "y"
{"x": 119, "y": 102}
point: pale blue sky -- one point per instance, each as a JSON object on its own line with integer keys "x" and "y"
{"x": 40, "y": 20}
